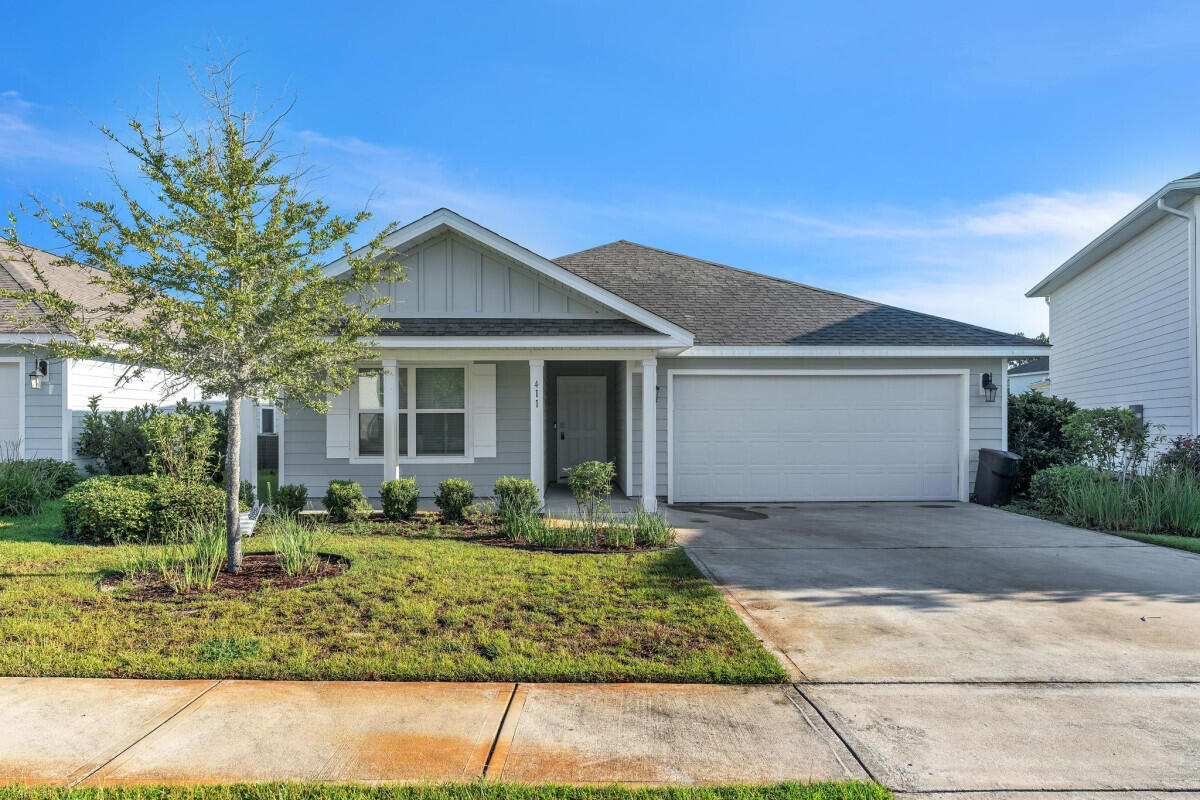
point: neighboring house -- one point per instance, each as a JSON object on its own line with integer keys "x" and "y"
{"x": 1032, "y": 375}
{"x": 494, "y": 361}
{"x": 43, "y": 399}
{"x": 1123, "y": 313}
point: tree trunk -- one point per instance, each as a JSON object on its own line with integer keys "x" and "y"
{"x": 233, "y": 482}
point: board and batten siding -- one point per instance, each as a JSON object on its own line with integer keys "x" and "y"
{"x": 1120, "y": 329}
{"x": 449, "y": 277}
{"x": 305, "y": 463}
{"x": 985, "y": 423}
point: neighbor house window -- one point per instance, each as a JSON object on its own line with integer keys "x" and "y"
{"x": 370, "y": 412}
{"x": 268, "y": 420}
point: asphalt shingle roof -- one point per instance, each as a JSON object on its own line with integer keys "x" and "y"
{"x": 723, "y": 305}
{"x": 1039, "y": 364}
{"x": 16, "y": 274}
{"x": 479, "y": 326}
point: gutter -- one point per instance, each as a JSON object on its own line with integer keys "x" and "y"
{"x": 1190, "y": 216}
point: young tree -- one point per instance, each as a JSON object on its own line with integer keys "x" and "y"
{"x": 217, "y": 279}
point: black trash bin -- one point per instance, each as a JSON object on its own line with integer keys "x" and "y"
{"x": 994, "y": 480}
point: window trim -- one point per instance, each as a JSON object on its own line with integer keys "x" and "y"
{"x": 468, "y": 456}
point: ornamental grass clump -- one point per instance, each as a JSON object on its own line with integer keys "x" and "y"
{"x": 298, "y": 546}
{"x": 188, "y": 562}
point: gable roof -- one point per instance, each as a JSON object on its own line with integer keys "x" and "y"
{"x": 723, "y": 305}
{"x": 17, "y": 275}
{"x": 1125, "y": 229}
{"x": 1032, "y": 367}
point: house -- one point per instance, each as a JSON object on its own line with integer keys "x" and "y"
{"x": 701, "y": 382}
{"x": 43, "y": 399}
{"x": 1033, "y": 375}
{"x": 1123, "y": 313}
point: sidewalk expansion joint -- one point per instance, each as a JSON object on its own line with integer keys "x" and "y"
{"x": 498, "y": 754}
{"x": 845, "y": 742}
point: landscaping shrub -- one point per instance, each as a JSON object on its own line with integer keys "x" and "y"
{"x": 181, "y": 446}
{"x": 188, "y": 562}
{"x": 453, "y": 496}
{"x": 1112, "y": 440}
{"x": 176, "y": 507}
{"x": 1035, "y": 432}
{"x": 516, "y": 496}
{"x": 1048, "y": 490}
{"x": 651, "y": 529}
{"x": 1182, "y": 454}
{"x": 115, "y": 440}
{"x": 27, "y": 483}
{"x": 297, "y": 546}
{"x": 109, "y": 508}
{"x": 399, "y": 498}
{"x": 289, "y": 500}
{"x": 344, "y": 500}
{"x": 591, "y": 483}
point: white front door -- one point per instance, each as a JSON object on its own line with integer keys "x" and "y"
{"x": 12, "y": 387}
{"x": 582, "y": 434}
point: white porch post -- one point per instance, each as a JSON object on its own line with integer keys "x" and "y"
{"x": 537, "y": 426}
{"x": 391, "y": 421}
{"x": 249, "y": 454}
{"x": 649, "y": 431}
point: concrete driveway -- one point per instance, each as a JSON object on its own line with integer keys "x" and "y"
{"x": 959, "y": 648}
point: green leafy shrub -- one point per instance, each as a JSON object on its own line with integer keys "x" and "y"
{"x": 176, "y": 507}
{"x": 1035, "y": 432}
{"x": 399, "y": 498}
{"x": 115, "y": 440}
{"x": 453, "y": 496}
{"x": 109, "y": 508}
{"x": 1183, "y": 453}
{"x": 289, "y": 500}
{"x": 345, "y": 501}
{"x": 181, "y": 446}
{"x": 1049, "y": 488}
{"x": 1112, "y": 440}
{"x": 591, "y": 483}
{"x": 516, "y": 496}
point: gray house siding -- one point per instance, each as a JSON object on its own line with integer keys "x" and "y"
{"x": 43, "y": 432}
{"x": 304, "y": 460}
{"x": 1120, "y": 329}
{"x": 985, "y": 424}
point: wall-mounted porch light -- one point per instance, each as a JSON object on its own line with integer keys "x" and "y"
{"x": 989, "y": 388}
{"x": 38, "y": 375}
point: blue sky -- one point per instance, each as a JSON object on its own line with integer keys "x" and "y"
{"x": 939, "y": 156}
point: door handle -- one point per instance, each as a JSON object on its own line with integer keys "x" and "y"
{"x": 562, "y": 435}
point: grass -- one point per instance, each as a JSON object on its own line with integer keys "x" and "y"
{"x": 268, "y": 482}
{"x": 850, "y": 790}
{"x": 1189, "y": 543}
{"x": 407, "y": 608}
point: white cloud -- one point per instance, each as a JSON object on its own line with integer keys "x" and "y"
{"x": 31, "y": 133}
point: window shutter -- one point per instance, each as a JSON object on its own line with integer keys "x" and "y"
{"x": 337, "y": 426}
{"x": 482, "y": 397}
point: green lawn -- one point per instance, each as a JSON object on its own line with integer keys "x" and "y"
{"x": 456, "y": 791}
{"x": 268, "y": 482}
{"x": 406, "y": 609}
{"x": 1188, "y": 543}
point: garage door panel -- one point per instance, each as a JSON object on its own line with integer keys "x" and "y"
{"x": 815, "y": 437}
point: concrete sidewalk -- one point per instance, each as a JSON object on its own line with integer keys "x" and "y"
{"x": 105, "y": 732}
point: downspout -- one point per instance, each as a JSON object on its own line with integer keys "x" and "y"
{"x": 1192, "y": 308}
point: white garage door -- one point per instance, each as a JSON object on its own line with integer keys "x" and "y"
{"x": 12, "y": 384}
{"x": 815, "y": 437}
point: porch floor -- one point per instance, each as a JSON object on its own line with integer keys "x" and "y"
{"x": 560, "y": 501}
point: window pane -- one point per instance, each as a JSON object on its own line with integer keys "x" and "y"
{"x": 403, "y": 428}
{"x": 268, "y": 420}
{"x": 370, "y": 434}
{"x": 440, "y": 388}
{"x": 441, "y": 434}
{"x": 402, "y": 379}
{"x": 370, "y": 389}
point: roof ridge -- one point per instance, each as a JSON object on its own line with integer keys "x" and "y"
{"x": 830, "y": 292}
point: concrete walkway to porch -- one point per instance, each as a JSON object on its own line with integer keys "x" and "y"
{"x": 85, "y": 732}
{"x": 560, "y": 502}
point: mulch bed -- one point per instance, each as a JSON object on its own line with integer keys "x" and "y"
{"x": 258, "y": 570}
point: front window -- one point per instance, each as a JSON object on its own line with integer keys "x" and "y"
{"x": 370, "y": 412}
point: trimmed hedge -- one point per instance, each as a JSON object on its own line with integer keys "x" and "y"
{"x": 516, "y": 496}
{"x": 289, "y": 499}
{"x": 344, "y": 500}
{"x": 399, "y": 498}
{"x": 121, "y": 508}
{"x": 453, "y": 496}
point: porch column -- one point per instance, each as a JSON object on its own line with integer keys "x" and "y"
{"x": 391, "y": 421}
{"x": 649, "y": 431}
{"x": 537, "y": 426}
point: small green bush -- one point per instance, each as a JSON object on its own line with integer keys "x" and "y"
{"x": 115, "y": 440}
{"x": 1049, "y": 488}
{"x": 399, "y": 498}
{"x": 177, "y": 507}
{"x": 1112, "y": 440}
{"x": 109, "y": 508}
{"x": 591, "y": 483}
{"x": 344, "y": 500}
{"x": 1035, "y": 433}
{"x": 289, "y": 500}
{"x": 453, "y": 496}
{"x": 516, "y": 496}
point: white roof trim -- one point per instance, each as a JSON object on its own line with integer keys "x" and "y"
{"x": 445, "y": 217}
{"x": 865, "y": 351}
{"x": 501, "y": 342}
{"x": 1108, "y": 241}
